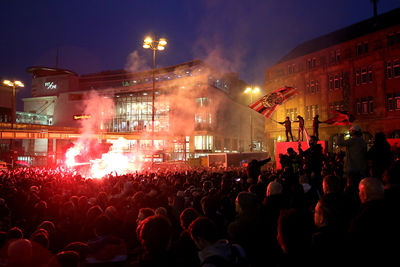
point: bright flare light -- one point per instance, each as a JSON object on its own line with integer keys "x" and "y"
{"x": 115, "y": 161}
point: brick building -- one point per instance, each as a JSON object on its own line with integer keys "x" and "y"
{"x": 356, "y": 69}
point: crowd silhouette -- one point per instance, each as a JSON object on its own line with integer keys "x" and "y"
{"x": 313, "y": 212}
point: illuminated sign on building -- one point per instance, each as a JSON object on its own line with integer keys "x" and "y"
{"x": 82, "y": 117}
{"x": 50, "y": 85}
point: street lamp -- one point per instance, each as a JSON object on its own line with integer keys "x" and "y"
{"x": 251, "y": 91}
{"x": 154, "y": 45}
{"x": 13, "y": 85}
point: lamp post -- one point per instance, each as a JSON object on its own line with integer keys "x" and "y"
{"x": 251, "y": 91}
{"x": 13, "y": 85}
{"x": 154, "y": 45}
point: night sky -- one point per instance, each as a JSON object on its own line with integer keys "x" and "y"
{"x": 95, "y": 35}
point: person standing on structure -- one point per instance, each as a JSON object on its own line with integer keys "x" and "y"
{"x": 288, "y": 128}
{"x": 301, "y": 127}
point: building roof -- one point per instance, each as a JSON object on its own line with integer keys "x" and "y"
{"x": 39, "y": 71}
{"x": 345, "y": 34}
{"x": 146, "y": 72}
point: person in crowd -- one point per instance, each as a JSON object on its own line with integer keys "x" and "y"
{"x": 254, "y": 168}
{"x": 315, "y": 125}
{"x": 294, "y": 238}
{"x": 247, "y": 229}
{"x": 300, "y": 120}
{"x": 313, "y": 157}
{"x": 274, "y": 222}
{"x": 375, "y": 228}
{"x": 214, "y": 251}
{"x": 311, "y": 194}
{"x": 329, "y": 238}
{"x": 379, "y": 156}
{"x": 65, "y": 259}
{"x": 288, "y": 128}
{"x": 105, "y": 248}
{"x": 185, "y": 248}
{"x": 155, "y": 235}
{"x": 356, "y": 152}
{"x": 20, "y": 253}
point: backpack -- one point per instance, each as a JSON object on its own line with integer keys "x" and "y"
{"x": 237, "y": 258}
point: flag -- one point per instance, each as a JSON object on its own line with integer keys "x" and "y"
{"x": 267, "y": 104}
{"x": 340, "y": 117}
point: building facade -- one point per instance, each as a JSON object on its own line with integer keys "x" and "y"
{"x": 198, "y": 110}
{"x": 355, "y": 69}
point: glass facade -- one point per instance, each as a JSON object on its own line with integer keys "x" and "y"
{"x": 133, "y": 112}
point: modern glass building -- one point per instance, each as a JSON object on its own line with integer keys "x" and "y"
{"x": 197, "y": 109}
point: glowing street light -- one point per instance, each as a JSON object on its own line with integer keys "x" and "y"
{"x": 153, "y": 44}
{"x": 251, "y": 91}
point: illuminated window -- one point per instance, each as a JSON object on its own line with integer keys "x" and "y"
{"x": 203, "y": 142}
{"x": 397, "y": 102}
{"x": 202, "y": 101}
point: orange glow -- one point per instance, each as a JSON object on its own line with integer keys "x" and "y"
{"x": 81, "y": 117}
{"x": 115, "y": 161}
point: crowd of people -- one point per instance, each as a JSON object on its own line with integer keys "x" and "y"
{"x": 316, "y": 210}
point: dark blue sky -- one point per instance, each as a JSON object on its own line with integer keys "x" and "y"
{"x": 95, "y": 35}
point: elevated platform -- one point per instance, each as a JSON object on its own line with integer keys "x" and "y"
{"x": 281, "y": 148}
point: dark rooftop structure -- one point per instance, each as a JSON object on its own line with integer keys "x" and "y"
{"x": 346, "y": 34}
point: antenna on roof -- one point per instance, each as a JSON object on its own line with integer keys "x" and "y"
{"x": 57, "y": 58}
{"x": 374, "y": 2}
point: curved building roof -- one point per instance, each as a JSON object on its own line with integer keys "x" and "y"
{"x": 39, "y": 71}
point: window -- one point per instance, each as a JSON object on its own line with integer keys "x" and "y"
{"x": 397, "y": 102}
{"x": 291, "y": 113}
{"x": 203, "y": 142}
{"x": 336, "y": 81}
{"x": 361, "y": 48}
{"x": 363, "y": 75}
{"x": 330, "y": 82}
{"x": 358, "y": 77}
{"x": 312, "y": 87}
{"x": 388, "y": 70}
{"x": 369, "y": 74}
{"x": 311, "y": 63}
{"x": 311, "y": 111}
{"x": 358, "y": 107}
{"x": 396, "y": 68}
{"x": 389, "y": 102}
{"x": 308, "y": 112}
{"x": 338, "y": 55}
{"x": 365, "y": 105}
{"x": 393, "y": 69}
{"x": 393, "y": 38}
{"x": 202, "y": 101}
{"x": 291, "y": 69}
{"x": 371, "y": 105}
